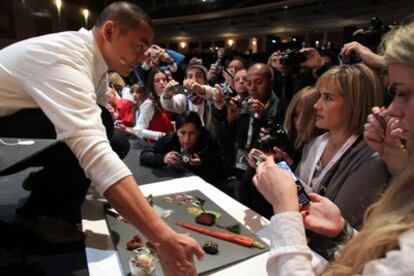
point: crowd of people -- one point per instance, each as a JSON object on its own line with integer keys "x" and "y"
{"x": 325, "y": 117}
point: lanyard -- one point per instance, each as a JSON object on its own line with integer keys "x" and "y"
{"x": 323, "y": 141}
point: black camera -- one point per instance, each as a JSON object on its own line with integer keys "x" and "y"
{"x": 241, "y": 103}
{"x": 185, "y": 157}
{"x": 272, "y": 135}
{"x": 371, "y": 37}
{"x": 292, "y": 58}
{"x": 352, "y": 58}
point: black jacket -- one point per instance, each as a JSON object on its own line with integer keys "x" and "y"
{"x": 210, "y": 170}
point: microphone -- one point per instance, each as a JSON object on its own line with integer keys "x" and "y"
{"x": 123, "y": 61}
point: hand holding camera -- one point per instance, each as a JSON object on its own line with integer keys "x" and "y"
{"x": 313, "y": 58}
{"x": 350, "y": 50}
{"x": 218, "y": 97}
{"x": 194, "y": 86}
{"x": 274, "y": 62}
{"x": 172, "y": 158}
{"x": 171, "y": 88}
{"x": 256, "y": 107}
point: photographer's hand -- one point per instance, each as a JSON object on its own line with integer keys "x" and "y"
{"x": 277, "y": 186}
{"x": 194, "y": 86}
{"x": 212, "y": 72}
{"x": 164, "y": 56}
{"x": 195, "y": 160}
{"x": 256, "y": 107}
{"x": 218, "y": 98}
{"x": 232, "y": 112}
{"x": 251, "y": 160}
{"x": 322, "y": 216}
{"x": 168, "y": 93}
{"x": 274, "y": 62}
{"x": 313, "y": 58}
{"x": 172, "y": 158}
{"x": 367, "y": 56}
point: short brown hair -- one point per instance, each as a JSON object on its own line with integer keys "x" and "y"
{"x": 126, "y": 14}
{"x": 361, "y": 88}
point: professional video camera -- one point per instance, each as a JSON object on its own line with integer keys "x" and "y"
{"x": 371, "y": 37}
{"x": 292, "y": 58}
{"x": 272, "y": 135}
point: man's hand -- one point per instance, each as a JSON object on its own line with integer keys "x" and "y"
{"x": 176, "y": 255}
{"x": 167, "y": 93}
{"x": 218, "y": 98}
{"x": 172, "y": 158}
{"x": 194, "y": 86}
{"x": 232, "y": 112}
{"x": 322, "y": 216}
{"x": 256, "y": 107}
{"x": 277, "y": 186}
{"x": 313, "y": 58}
{"x": 367, "y": 56}
{"x": 212, "y": 72}
{"x": 274, "y": 62}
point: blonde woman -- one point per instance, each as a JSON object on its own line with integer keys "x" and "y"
{"x": 334, "y": 163}
{"x": 385, "y": 245}
{"x": 299, "y": 122}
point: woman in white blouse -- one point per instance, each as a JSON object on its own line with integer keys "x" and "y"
{"x": 385, "y": 245}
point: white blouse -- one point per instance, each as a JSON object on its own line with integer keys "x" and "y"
{"x": 290, "y": 254}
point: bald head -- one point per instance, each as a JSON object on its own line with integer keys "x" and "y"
{"x": 259, "y": 81}
{"x": 262, "y": 69}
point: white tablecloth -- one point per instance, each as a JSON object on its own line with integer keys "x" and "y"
{"x": 103, "y": 259}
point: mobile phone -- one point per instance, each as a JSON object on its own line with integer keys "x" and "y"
{"x": 302, "y": 196}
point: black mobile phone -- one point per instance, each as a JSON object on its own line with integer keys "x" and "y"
{"x": 302, "y": 195}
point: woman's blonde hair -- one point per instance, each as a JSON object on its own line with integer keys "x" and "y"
{"x": 393, "y": 214}
{"x": 306, "y": 98}
{"x": 361, "y": 88}
{"x": 384, "y": 223}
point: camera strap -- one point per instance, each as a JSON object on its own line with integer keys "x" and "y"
{"x": 323, "y": 141}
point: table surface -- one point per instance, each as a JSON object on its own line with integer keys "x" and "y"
{"x": 103, "y": 258}
{"x": 16, "y": 150}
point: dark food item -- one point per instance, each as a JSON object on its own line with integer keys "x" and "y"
{"x": 135, "y": 243}
{"x": 210, "y": 247}
{"x": 206, "y": 219}
{"x": 234, "y": 228}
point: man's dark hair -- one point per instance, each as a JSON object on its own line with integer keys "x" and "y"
{"x": 188, "y": 117}
{"x": 126, "y": 14}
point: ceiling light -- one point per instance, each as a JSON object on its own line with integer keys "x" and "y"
{"x": 183, "y": 44}
{"x": 230, "y": 42}
{"x": 85, "y": 13}
{"x": 273, "y": 41}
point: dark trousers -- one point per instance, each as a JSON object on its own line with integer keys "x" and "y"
{"x": 61, "y": 184}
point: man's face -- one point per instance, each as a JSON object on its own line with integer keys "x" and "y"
{"x": 126, "y": 51}
{"x": 196, "y": 74}
{"x": 235, "y": 65}
{"x": 259, "y": 84}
